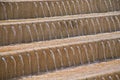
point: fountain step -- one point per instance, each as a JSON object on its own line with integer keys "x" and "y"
{"x": 25, "y": 59}
{"x": 41, "y": 29}
{"x": 22, "y": 9}
{"x": 98, "y": 71}
{"x": 109, "y": 70}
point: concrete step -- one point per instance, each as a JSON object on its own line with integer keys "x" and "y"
{"x": 22, "y": 9}
{"x": 41, "y": 29}
{"x": 109, "y": 70}
{"x": 39, "y": 57}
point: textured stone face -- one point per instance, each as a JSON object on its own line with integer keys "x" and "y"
{"x": 34, "y": 9}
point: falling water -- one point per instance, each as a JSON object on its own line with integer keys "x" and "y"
{"x": 11, "y": 7}
{"x": 21, "y": 58}
{"x": 53, "y": 57}
{"x": 111, "y": 5}
{"x": 66, "y": 28}
{"x": 17, "y": 8}
{"x": 73, "y": 51}
{"x": 64, "y": 7}
{"x": 77, "y": 27}
{"x": 110, "y": 77}
{"x": 104, "y": 50}
{"x": 38, "y": 65}
{"x": 60, "y": 55}
{"x": 21, "y": 32}
{"x": 35, "y": 28}
{"x": 14, "y": 63}
{"x": 53, "y": 6}
{"x": 91, "y": 47}
{"x": 69, "y": 7}
{"x": 29, "y": 59}
{"x": 42, "y": 31}
{"x": 50, "y": 37}
{"x": 6, "y": 67}
{"x": 94, "y": 27}
{"x": 109, "y": 45}
{"x": 115, "y": 48}
{"x": 59, "y": 8}
{"x": 82, "y": 25}
{"x": 54, "y": 31}
{"x": 60, "y": 31}
{"x": 74, "y": 6}
{"x": 106, "y": 4}
{"x": 14, "y": 31}
{"x": 108, "y": 23}
{"x": 67, "y": 56}
{"x": 5, "y": 10}
{"x": 42, "y": 9}
{"x": 118, "y": 78}
{"x": 72, "y": 27}
{"x": 28, "y": 27}
{"x": 88, "y": 6}
{"x": 87, "y": 22}
{"x": 80, "y": 54}
{"x": 78, "y": 6}
{"x": 86, "y": 52}
{"x": 118, "y": 21}
{"x": 100, "y": 28}
{"x": 46, "y": 66}
{"x": 113, "y": 23}
{"x": 48, "y": 8}
{"x": 36, "y": 6}
{"x": 6, "y": 33}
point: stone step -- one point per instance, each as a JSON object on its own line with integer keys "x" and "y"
{"x": 22, "y": 9}
{"x": 41, "y": 29}
{"x": 109, "y": 70}
{"x": 39, "y": 57}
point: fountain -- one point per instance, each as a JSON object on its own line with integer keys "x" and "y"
{"x": 21, "y": 58}
{"x": 67, "y": 55}
{"x": 14, "y": 64}
{"x": 36, "y": 31}
{"x": 46, "y": 66}
{"x": 38, "y": 65}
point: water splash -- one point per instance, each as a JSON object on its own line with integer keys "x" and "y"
{"x": 94, "y": 27}
{"x": 42, "y": 31}
{"x": 29, "y": 63}
{"x": 14, "y": 63}
{"x": 108, "y": 21}
{"x": 30, "y": 33}
{"x": 78, "y": 32}
{"x": 53, "y": 57}
{"x": 35, "y": 28}
{"x": 66, "y": 52}
{"x": 38, "y": 65}
{"x": 72, "y": 27}
{"x": 86, "y": 52}
{"x": 82, "y": 26}
{"x": 54, "y": 31}
{"x": 91, "y": 47}
{"x": 14, "y": 32}
{"x": 60, "y": 55}
{"x": 6, "y": 66}
{"x": 99, "y": 26}
{"x": 87, "y": 22}
{"x": 21, "y": 58}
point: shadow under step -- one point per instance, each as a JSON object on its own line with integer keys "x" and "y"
{"x": 41, "y": 29}
{"x": 109, "y": 70}
{"x": 39, "y": 57}
{"x": 22, "y": 9}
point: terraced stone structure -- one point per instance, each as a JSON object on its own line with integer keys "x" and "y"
{"x": 59, "y": 39}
